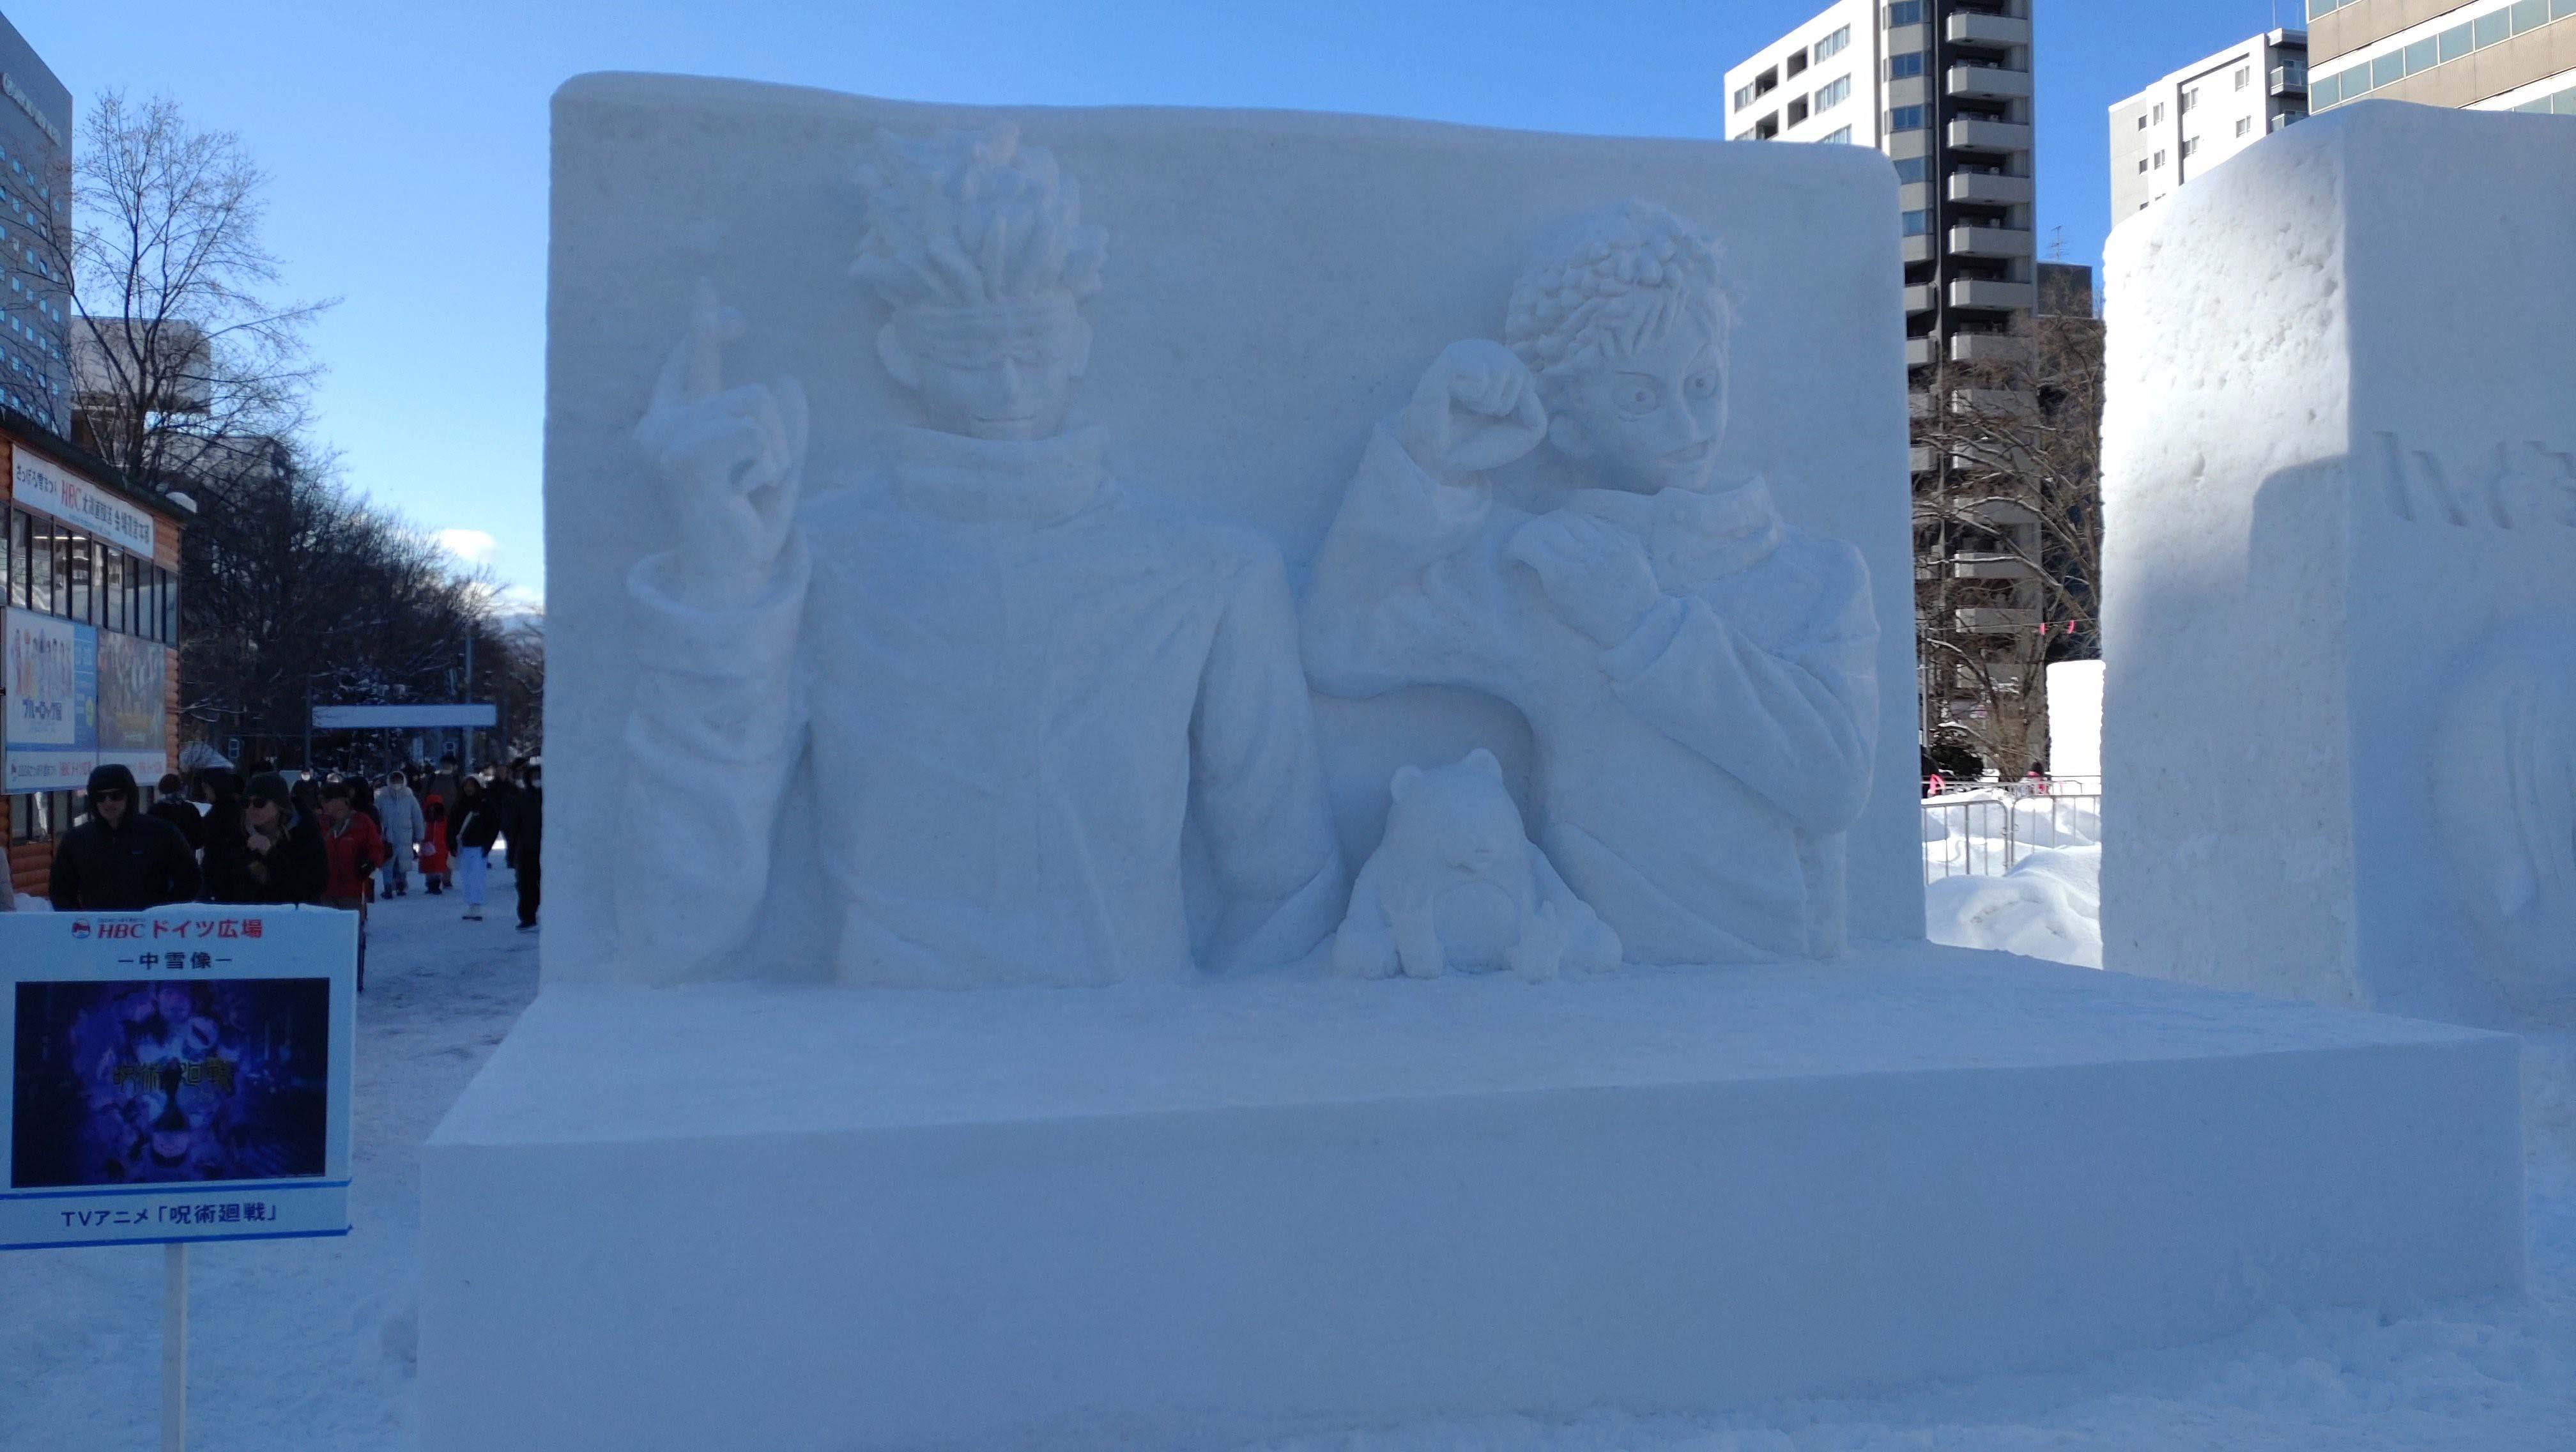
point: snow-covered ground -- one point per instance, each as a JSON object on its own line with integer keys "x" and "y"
{"x": 308, "y": 1345}
{"x": 2047, "y": 905}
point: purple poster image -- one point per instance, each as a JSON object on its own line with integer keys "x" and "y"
{"x": 122, "y": 1083}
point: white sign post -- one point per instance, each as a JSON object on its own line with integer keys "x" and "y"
{"x": 175, "y": 1076}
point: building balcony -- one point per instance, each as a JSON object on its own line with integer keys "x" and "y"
{"x": 1991, "y": 189}
{"x": 1990, "y": 241}
{"x": 2289, "y": 80}
{"x": 1989, "y": 82}
{"x": 1918, "y": 352}
{"x": 1979, "y": 135}
{"x": 1970, "y": 292}
{"x": 1994, "y": 619}
{"x": 1918, "y": 460}
{"x": 1988, "y": 567}
{"x": 1921, "y": 297}
{"x": 1986, "y": 348}
{"x": 1918, "y": 249}
{"x": 1967, "y": 27}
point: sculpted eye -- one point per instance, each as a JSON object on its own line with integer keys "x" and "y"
{"x": 1703, "y": 384}
{"x": 1634, "y": 395}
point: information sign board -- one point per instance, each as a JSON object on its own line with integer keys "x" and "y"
{"x": 176, "y": 1075}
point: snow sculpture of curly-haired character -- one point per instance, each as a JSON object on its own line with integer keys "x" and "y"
{"x": 1011, "y": 684}
{"x": 1699, "y": 679}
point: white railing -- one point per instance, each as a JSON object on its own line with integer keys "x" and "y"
{"x": 1987, "y": 831}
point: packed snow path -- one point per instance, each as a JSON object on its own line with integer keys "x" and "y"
{"x": 309, "y": 1344}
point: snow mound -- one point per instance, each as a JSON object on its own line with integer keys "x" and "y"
{"x": 2050, "y": 906}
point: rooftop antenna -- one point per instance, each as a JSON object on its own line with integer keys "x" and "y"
{"x": 2057, "y": 244}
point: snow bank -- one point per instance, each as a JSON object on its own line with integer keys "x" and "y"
{"x": 2050, "y": 906}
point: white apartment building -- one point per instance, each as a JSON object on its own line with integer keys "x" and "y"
{"x": 1943, "y": 87}
{"x": 2203, "y": 114}
{"x": 2486, "y": 55}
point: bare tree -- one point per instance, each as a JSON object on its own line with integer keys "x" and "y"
{"x": 185, "y": 362}
{"x": 2012, "y": 511}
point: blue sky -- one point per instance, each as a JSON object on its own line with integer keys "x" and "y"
{"x": 408, "y": 142}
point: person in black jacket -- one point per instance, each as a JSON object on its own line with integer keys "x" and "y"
{"x": 121, "y": 859}
{"x": 172, "y": 806}
{"x": 273, "y": 855}
{"x": 526, "y": 829}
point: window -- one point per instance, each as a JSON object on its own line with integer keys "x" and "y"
{"x": 1913, "y": 168}
{"x": 1916, "y": 224}
{"x": 2244, "y": 77}
{"x": 1908, "y": 64}
{"x": 111, "y": 589}
{"x": 2190, "y": 99}
{"x": 2492, "y": 28}
{"x": 16, "y": 546}
{"x": 2529, "y": 15}
{"x": 80, "y": 567}
{"x": 1833, "y": 94}
{"x": 2142, "y": 120}
{"x": 2160, "y": 159}
{"x": 2388, "y": 69}
{"x": 1842, "y": 135}
{"x": 1797, "y": 110}
{"x": 2455, "y": 41}
{"x": 42, "y": 565}
{"x": 2142, "y": 164}
{"x": 1743, "y": 97}
{"x": 2244, "y": 124}
{"x": 1832, "y": 45}
{"x": 2191, "y": 146}
{"x": 1797, "y": 62}
{"x": 2160, "y": 113}
{"x": 170, "y": 607}
{"x": 1905, "y": 118}
{"x": 2421, "y": 55}
{"x": 1905, "y": 12}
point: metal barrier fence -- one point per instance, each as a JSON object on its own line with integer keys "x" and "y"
{"x": 1987, "y": 832}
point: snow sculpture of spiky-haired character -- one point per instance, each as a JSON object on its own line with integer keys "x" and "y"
{"x": 1698, "y": 678}
{"x": 1011, "y": 684}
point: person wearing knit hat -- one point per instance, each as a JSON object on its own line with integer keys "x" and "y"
{"x": 274, "y": 853}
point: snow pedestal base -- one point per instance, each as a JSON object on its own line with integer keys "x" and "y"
{"x": 759, "y": 1217}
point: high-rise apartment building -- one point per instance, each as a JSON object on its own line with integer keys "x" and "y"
{"x": 35, "y": 212}
{"x": 1943, "y": 87}
{"x": 2487, "y": 55}
{"x": 2203, "y": 114}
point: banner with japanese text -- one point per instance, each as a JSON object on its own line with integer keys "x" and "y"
{"x": 50, "y": 739}
{"x": 133, "y": 705}
{"x": 181, "y": 1074}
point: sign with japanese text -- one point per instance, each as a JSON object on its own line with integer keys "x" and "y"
{"x": 181, "y": 1074}
{"x": 133, "y": 705}
{"x": 51, "y": 732}
{"x": 50, "y": 489}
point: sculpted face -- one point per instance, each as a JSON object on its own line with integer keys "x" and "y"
{"x": 1001, "y": 372}
{"x": 1652, "y": 420}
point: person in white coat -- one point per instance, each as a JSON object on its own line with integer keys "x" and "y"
{"x": 399, "y": 816}
{"x": 1699, "y": 679}
{"x": 1014, "y": 685}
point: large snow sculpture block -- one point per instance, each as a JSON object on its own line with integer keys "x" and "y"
{"x": 1255, "y": 294}
{"x": 745, "y": 1216}
{"x": 2340, "y": 617}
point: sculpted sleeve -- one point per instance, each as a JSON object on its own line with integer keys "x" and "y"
{"x": 718, "y": 722}
{"x": 1404, "y": 592}
{"x": 1257, "y": 781}
{"x": 1798, "y": 726}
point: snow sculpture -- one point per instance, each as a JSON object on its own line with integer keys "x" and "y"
{"x": 2504, "y": 782}
{"x": 1458, "y": 884}
{"x": 1015, "y": 683}
{"x": 1699, "y": 678}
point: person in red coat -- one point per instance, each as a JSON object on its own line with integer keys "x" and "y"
{"x": 433, "y": 842}
{"x": 354, "y": 849}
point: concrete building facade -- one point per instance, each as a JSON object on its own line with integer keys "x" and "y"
{"x": 2517, "y": 55}
{"x": 2199, "y": 116}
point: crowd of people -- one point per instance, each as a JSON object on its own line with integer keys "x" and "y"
{"x": 297, "y": 837}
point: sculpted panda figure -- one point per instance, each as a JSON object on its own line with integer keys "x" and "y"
{"x": 1456, "y": 883}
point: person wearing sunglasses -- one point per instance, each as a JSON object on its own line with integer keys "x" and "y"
{"x": 120, "y": 858}
{"x": 272, "y": 854}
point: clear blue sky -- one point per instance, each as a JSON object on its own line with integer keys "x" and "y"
{"x": 408, "y": 142}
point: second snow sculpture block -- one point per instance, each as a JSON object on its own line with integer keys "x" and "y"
{"x": 2340, "y": 498}
{"x": 1457, "y": 884}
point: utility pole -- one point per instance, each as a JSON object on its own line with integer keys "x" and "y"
{"x": 465, "y": 753}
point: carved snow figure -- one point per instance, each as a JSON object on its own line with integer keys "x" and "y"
{"x": 1015, "y": 684}
{"x": 2504, "y": 785}
{"x": 1698, "y": 678}
{"x": 1456, "y": 883}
